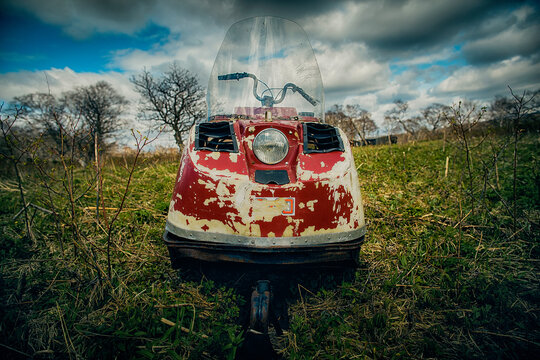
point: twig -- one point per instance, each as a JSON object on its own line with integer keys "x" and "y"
{"x": 479, "y": 244}
{"x": 34, "y": 206}
{"x": 520, "y": 104}
{"x": 7, "y": 134}
{"x": 86, "y": 332}
{"x": 183, "y": 329}
{"x": 141, "y": 141}
{"x": 48, "y": 288}
{"x": 420, "y": 286}
{"x": 107, "y": 208}
{"x": 461, "y": 221}
{"x": 507, "y": 336}
{"x": 67, "y": 339}
{"x": 31, "y": 260}
{"x": 17, "y": 351}
{"x": 180, "y": 305}
{"x": 302, "y": 298}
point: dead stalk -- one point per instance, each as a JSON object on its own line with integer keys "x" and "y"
{"x": 520, "y": 109}
{"x": 141, "y": 142}
{"x": 6, "y": 127}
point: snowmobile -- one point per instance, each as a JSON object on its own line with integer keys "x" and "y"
{"x": 265, "y": 180}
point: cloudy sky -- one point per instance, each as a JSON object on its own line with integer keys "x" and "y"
{"x": 369, "y": 52}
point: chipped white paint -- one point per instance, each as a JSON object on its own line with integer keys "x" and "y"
{"x": 249, "y": 141}
{"x": 311, "y": 204}
{"x": 255, "y": 229}
{"x": 309, "y": 230}
{"x": 238, "y": 193}
{"x": 209, "y": 201}
{"x": 342, "y": 221}
{"x": 192, "y": 223}
{"x": 288, "y": 231}
{"x": 208, "y": 185}
{"x": 267, "y": 209}
{"x": 243, "y": 190}
{"x": 222, "y": 190}
{"x": 214, "y": 155}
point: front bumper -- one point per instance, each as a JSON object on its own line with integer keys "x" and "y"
{"x": 326, "y": 248}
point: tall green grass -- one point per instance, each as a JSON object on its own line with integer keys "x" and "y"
{"x": 437, "y": 279}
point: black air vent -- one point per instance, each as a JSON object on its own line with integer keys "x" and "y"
{"x": 277, "y": 177}
{"x": 321, "y": 138}
{"x": 215, "y": 136}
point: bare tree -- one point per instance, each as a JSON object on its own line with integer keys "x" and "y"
{"x": 100, "y": 107}
{"x": 435, "y": 116}
{"x": 397, "y": 119}
{"x": 414, "y": 125}
{"x": 502, "y": 112}
{"x": 395, "y": 116}
{"x": 352, "y": 120}
{"x": 174, "y": 100}
{"x": 46, "y": 114}
{"x": 336, "y": 117}
{"x": 361, "y": 121}
{"x": 390, "y": 122}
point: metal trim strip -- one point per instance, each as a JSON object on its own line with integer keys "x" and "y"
{"x": 263, "y": 242}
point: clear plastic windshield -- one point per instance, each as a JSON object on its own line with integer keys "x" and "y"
{"x": 266, "y": 64}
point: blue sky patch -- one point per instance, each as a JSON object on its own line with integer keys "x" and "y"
{"x": 29, "y": 44}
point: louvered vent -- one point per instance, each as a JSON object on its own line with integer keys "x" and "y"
{"x": 215, "y": 136}
{"x": 321, "y": 138}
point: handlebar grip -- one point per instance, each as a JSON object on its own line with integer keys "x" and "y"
{"x": 311, "y": 100}
{"x": 233, "y": 76}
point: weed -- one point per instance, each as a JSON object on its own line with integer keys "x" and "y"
{"x": 435, "y": 280}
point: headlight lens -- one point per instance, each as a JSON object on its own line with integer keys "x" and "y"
{"x": 270, "y": 146}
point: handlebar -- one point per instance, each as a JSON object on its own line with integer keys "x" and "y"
{"x": 234, "y": 76}
{"x": 269, "y": 100}
{"x": 298, "y": 89}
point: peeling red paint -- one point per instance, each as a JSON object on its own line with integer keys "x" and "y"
{"x": 216, "y": 191}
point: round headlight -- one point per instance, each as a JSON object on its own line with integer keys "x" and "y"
{"x": 270, "y": 146}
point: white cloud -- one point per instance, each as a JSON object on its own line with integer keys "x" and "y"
{"x": 196, "y": 56}
{"x": 348, "y": 67}
{"x": 81, "y": 19}
{"x": 84, "y": 18}
{"x": 504, "y": 37}
{"x": 481, "y": 82}
{"x": 368, "y": 102}
{"x": 396, "y": 25}
{"x": 343, "y": 68}
{"x": 427, "y": 58}
{"x": 59, "y": 80}
{"x": 355, "y": 43}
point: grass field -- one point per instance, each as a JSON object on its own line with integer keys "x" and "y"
{"x": 444, "y": 273}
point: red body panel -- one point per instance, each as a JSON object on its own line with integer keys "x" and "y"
{"x": 216, "y": 192}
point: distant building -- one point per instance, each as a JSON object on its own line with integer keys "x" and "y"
{"x": 381, "y": 140}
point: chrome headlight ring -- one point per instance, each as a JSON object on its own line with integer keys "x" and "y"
{"x": 270, "y": 146}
